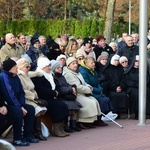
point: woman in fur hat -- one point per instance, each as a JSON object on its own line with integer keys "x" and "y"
{"x": 47, "y": 89}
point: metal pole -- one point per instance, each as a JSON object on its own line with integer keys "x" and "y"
{"x": 129, "y": 17}
{"x": 143, "y": 61}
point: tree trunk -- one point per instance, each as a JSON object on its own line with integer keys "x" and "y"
{"x": 109, "y": 20}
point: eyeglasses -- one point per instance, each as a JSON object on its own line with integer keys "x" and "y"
{"x": 28, "y": 67}
{"x": 80, "y": 58}
{"x": 124, "y": 62}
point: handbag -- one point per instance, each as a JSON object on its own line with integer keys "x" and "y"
{"x": 70, "y": 97}
{"x": 45, "y": 131}
{"x": 41, "y": 102}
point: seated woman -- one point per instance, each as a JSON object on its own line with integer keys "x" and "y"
{"x": 116, "y": 87}
{"x": 12, "y": 93}
{"x": 90, "y": 106}
{"x": 31, "y": 96}
{"x": 86, "y": 49}
{"x": 87, "y": 69}
{"x": 124, "y": 62}
{"x": 34, "y": 52}
{"x": 132, "y": 81}
{"x": 47, "y": 90}
{"x": 65, "y": 90}
{"x": 99, "y": 67}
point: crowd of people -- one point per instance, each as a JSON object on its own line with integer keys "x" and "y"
{"x": 73, "y": 80}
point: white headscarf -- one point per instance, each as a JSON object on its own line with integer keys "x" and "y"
{"x": 115, "y": 57}
{"x": 41, "y": 63}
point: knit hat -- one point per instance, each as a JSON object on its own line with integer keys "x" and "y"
{"x": 8, "y": 64}
{"x": 115, "y": 57}
{"x": 70, "y": 60}
{"x": 60, "y": 57}
{"x": 54, "y": 64}
{"x": 22, "y": 62}
{"x": 122, "y": 58}
{"x": 87, "y": 40}
{"x": 34, "y": 40}
{"x": 43, "y": 62}
{"x": 104, "y": 53}
{"x": 102, "y": 57}
{"x": 79, "y": 55}
{"x": 100, "y": 37}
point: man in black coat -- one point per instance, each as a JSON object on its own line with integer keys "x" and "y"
{"x": 130, "y": 50}
{"x": 102, "y": 47}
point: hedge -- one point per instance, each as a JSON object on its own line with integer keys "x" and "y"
{"x": 86, "y": 27}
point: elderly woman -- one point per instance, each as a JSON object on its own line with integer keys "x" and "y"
{"x": 124, "y": 62}
{"x": 47, "y": 90}
{"x": 65, "y": 91}
{"x": 31, "y": 96}
{"x": 116, "y": 87}
{"x": 62, "y": 60}
{"x": 90, "y": 106}
{"x": 87, "y": 69}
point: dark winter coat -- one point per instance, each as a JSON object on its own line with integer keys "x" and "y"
{"x": 16, "y": 86}
{"x": 99, "y": 49}
{"x": 129, "y": 52}
{"x": 56, "y": 108}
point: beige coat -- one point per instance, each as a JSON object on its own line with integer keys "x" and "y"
{"x": 90, "y": 106}
{"x": 7, "y": 52}
{"x": 28, "y": 86}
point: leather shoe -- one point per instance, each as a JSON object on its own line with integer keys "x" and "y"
{"x": 32, "y": 140}
{"x": 82, "y": 126}
{"x": 100, "y": 123}
{"x": 20, "y": 143}
{"x": 41, "y": 137}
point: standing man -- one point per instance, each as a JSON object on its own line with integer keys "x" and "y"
{"x": 10, "y": 49}
{"x": 43, "y": 46}
{"x": 22, "y": 41}
{"x": 122, "y": 43}
{"x": 130, "y": 50}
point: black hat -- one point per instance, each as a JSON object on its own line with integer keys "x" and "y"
{"x": 34, "y": 40}
{"x": 8, "y": 64}
{"x": 87, "y": 40}
{"x": 55, "y": 46}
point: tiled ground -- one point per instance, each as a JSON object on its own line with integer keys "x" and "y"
{"x": 112, "y": 137}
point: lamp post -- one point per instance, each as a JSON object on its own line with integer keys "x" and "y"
{"x": 129, "y": 17}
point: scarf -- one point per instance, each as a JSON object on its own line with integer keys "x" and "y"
{"x": 49, "y": 77}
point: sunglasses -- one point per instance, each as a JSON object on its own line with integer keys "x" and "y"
{"x": 124, "y": 62}
{"x": 136, "y": 60}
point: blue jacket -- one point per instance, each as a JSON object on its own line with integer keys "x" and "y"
{"x": 16, "y": 91}
{"x": 91, "y": 79}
